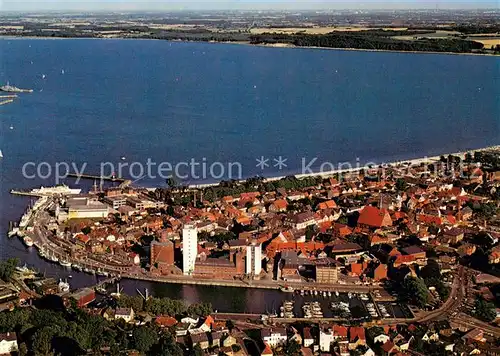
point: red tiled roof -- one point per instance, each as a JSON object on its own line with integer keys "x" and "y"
{"x": 403, "y": 259}
{"x": 329, "y": 204}
{"x": 280, "y": 204}
{"x": 340, "y": 331}
{"x": 356, "y": 333}
{"x": 267, "y": 351}
{"x": 167, "y": 321}
{"x": 357, "y": 268}
{"x": 374, "y": 217}
{"x": 388, "y": 346}
{"x": 429, "y": 219}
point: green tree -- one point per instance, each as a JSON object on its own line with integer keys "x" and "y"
{"x": 197, "y": 350}
{"x": 414, "y": 290}
{"x": 401, "y": 184}
{"x": 293, "y": 349}
{"x": 431, "y": 271}
{"x": 484, "y": 310}
{"x": 310, "y": 231}
{"x": 7, "y": 268}
{"x": 42, "y": 341}
{"x": 144, "y": 338}
{"x": 23, "y": 349}
{"x": 135, "y": 302}
{"x": 166, "y": 347}
{"x": 229, "y": 325}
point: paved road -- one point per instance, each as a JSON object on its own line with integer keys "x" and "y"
{"x": 470, "y": 322}
{"x": 457, "y": 294}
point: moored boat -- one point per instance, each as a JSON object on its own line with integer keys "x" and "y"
{"x": 28, "y": 241}
{"x": 287, "y": 289}
{"x": 65, "y": 263}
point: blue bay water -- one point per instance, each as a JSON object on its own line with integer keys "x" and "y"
{"x": 173, "y": 101}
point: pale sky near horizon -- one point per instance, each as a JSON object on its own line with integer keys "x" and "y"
{"x": 92, "y": 5}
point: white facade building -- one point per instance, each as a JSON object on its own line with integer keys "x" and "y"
{"x": 326, "y": 339}
{"x": 254, "y": 259}
{"x": 8, "y": 343}
{"x": 189, "y": 248}
{"x": 274, "y": 337}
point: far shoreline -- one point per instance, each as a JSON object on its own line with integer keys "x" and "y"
{"x": 247, "y": 43}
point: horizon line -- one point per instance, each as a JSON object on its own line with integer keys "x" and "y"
{"x": 254, "y": 10}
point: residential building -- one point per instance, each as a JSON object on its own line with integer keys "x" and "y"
{"x": 274, "y": 336}
{"x": 189, "y": 248}
{"x": 307, "y": 340}
{"x": 326, "y": 339}
{"x": 301, "y": 220}
{"x": 8, "y": 343}
{"x": 326, "y": 274}
{"x": 126, "y": 314}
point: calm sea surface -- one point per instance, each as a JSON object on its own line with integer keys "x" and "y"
{"x": 97, "y": 101}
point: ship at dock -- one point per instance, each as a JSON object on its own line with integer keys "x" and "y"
{"x": 12, "y": 89}
{"x": 59, "y": 189}
{"x": 48, "y": 191}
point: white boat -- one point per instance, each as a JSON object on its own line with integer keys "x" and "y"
{"x": 287, "y": 289}
{"x": 63, "y": 286}
{"x": 25, "y": 219}
{"x": 1, "y": 154}
{"x": 53, "y": 258}
{"x": 13, "y": 232}
{"x": 65, "y": 263}
{"x": 28, "y": 241}
{"x": 76, "y": 267}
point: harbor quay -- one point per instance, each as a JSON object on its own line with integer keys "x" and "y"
{"x": 57, "y": 251}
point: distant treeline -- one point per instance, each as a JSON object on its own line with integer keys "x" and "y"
{"x": 369, "y": 41}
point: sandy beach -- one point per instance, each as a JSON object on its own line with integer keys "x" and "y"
{"x": 327, "y": 174}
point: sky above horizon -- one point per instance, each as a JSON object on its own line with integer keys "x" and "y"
{"x": 93, "y": 5}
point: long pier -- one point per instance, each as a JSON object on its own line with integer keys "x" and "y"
{"x": 25, "y": 193}
{"x": 96, "y": 177}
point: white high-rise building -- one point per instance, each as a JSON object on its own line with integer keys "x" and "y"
{"x": 189, "y": 248}
{"x": 254, "y": 259}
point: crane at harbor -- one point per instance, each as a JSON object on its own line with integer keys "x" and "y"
{"x": 146, "y": 295}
